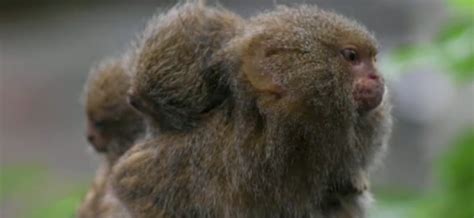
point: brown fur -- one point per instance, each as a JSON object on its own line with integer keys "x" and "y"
{"x": 286, "y": 140}
{"x": 101, "y": 201}
{"x": 171, "y": 82}
{"x": 114, "y": 127}
{"x": 111, "y": 120}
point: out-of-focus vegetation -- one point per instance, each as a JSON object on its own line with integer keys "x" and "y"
{"x": 452, "y": 197}
{"x": 42, "y": 195}
{"x": 452, "y": 51}
{"x": 455, "y": 196}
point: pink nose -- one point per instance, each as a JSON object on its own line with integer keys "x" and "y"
{"x": 373, "y": 76}
{"x": 368, "y": 93}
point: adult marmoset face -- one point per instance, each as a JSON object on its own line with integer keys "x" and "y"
{"x": 305, "y": 59}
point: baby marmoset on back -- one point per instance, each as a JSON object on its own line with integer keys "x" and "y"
{"x": 113, "y": 126}
{"x": 172, "y": 83}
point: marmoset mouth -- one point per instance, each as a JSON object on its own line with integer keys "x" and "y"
{"x": 368, "y": 94}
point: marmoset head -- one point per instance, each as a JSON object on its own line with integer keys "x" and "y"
{"x": 112, "y": 124}
{"x": 298, "y": 58}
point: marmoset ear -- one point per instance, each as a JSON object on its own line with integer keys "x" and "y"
{"x": 253, "y": 67}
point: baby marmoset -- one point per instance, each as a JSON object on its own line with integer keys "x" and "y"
{"x": 172, "y": 83}
{"x": 301, "y": 113}
{"x": 113, "y": 127}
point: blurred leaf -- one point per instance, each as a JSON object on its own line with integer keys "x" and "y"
{"x": 464, "y": 68}
{"x": 41, "y": 194}
{"x": 427, "y": 207}
{"x": 395, "y": 195}
{"x": 62, "y": 208}
{"x": 454, "y": 30}
{"x": 451, "y": 52}
{"x": 406, "y": 53}
{"x": 454, "y": 196}
{"x": 457, "y": 56}
{"x": 394, "y": 202}
{"x": 457, "y": 178}
{"x": 390, "y": 210}
{"x": 19, "y": 179}
{"x": 457, "y": 166}
{"x": 467, "y": 5}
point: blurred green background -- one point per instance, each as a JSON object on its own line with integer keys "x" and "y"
{"x": 47, "y": 48}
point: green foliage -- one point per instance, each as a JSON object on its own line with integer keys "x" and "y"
{"x": 462, "y": 5}
{"x": 457, "y": 178}
{"x": 452, "y": 50}
{"x": 38, "y": 193}
{"x": 452, "y": 197}
{"x": 453, "y": 31}
{"x": 62, "y": 207}
{"x": 18, "y": 179}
